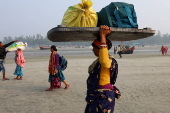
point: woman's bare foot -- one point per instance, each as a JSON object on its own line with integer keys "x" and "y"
{"x": 67, "y": 86}
{"x": 15, "y": 78}
{"x": 19, "y": 78}
{"x": 5, "y": 79}
{"x": 49, "y": 89}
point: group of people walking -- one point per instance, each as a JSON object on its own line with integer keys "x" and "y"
{"x": 164, "y": 50}
{"x": 101, "y": 92}
{"x": 55, "y": 75}
{"x": 19, "y": 60}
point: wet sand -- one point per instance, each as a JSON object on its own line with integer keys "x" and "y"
{"x": 144, "y": 81}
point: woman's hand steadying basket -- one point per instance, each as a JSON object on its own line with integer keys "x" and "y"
{"x": 104, "y": 31}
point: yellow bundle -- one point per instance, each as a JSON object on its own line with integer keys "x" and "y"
{"x": 80, "y": 15}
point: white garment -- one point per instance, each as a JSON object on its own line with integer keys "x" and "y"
{"x": 17, "y": 45}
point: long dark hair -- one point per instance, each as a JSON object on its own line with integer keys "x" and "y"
{"x": 54, "y": 47}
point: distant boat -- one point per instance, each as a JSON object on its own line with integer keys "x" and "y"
{"x": 44, "y": 48}
{"x": 128, "y": 51}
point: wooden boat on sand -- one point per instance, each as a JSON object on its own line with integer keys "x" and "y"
{"x": 44, "y": 48}
{"x": 128, "y": 51}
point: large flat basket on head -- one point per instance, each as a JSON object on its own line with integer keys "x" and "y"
{"x": 72, "y": 34}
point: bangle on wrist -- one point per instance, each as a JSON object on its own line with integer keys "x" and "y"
{"x": 103, "y": 45}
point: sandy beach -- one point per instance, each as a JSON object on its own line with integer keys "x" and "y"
{"x": 143, "y": 79}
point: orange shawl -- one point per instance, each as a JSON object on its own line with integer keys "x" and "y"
{"x": 52, "y": 64}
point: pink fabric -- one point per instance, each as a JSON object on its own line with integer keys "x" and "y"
{"x": 107, "y": 86}
{"x": 20, "y": 59}
{"x": 163, "y": 50}
{"x": 166, "y": 50}
{"x": 55, "y": 83}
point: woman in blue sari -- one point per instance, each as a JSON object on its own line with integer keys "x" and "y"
{"x": 101, "y": 92}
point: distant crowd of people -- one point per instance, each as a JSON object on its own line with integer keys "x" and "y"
{"x": 164, "y": 50}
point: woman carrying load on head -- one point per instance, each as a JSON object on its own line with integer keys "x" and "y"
{"x": 20, "y": 61}
{"x": 101, "y": 92}
{"x": 55, "y": 74}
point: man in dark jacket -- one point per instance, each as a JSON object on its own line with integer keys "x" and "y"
{"x": 3, "y": 53}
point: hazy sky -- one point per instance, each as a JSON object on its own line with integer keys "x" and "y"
{"x": 31, "y": 17}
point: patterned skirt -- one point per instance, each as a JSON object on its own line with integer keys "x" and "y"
{"x": 54, "y": 81}
{"x": 101, "y": 101}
